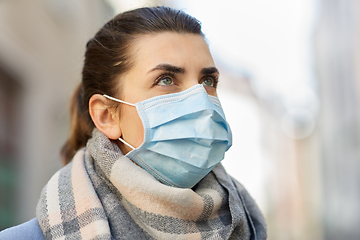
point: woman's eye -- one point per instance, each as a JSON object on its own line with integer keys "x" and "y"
{"x": 165, "y": 81}
{"x": 208, "y": 82}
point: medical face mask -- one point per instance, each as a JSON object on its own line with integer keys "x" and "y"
{"x": 185, "y": 136}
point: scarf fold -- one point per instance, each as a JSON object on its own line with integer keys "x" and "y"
{"x": 101, "y": 194}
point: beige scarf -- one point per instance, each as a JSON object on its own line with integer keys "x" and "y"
{"x": 102, "y": 194}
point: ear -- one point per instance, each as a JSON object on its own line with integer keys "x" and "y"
{"x": 104, "y": 117}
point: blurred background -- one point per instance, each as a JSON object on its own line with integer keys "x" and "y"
{"x": 289, "y": 85}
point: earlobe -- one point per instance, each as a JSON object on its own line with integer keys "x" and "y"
{"x": 104, "y": 117}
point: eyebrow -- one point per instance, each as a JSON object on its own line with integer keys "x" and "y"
{"x": 168, "y": 67}
{"x": 175, "y": 69}
{"x": 209, "y": 71}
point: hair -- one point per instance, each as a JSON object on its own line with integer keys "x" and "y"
{"x": 107, "y": 58}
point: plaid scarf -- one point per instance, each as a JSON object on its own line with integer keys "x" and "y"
{"x": 102, "y": 194}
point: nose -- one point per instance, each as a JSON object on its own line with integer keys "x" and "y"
{"x": 189, "y": 84}
{"x": 210, "y": 90}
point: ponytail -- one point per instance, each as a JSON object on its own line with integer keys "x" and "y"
{"x": 80, "y": 129}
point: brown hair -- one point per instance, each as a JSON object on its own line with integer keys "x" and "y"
{"x": 107, "y": 57}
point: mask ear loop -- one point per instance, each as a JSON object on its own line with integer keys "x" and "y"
{"x": 118, "y": 100}
{"x": 121, "y": 101}
{"x": 127, "y": 144}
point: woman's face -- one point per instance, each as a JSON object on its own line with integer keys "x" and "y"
{"x": 164, "y": 63}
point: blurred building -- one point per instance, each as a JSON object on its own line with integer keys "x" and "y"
{"x": 314, "y": 183}
{"x": 338, "y": 64}
{"x": 42, "y": 45}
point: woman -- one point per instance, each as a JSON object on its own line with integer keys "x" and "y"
{"x": 148, "y": 133}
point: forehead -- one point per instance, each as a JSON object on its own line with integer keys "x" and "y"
{"x": 179, "y": 49}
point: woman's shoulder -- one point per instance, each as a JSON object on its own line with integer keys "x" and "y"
{"x": 29, "y": 230}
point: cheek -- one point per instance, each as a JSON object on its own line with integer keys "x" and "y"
{"x": 131, "y": 126}
{"x": 211, "y": 91}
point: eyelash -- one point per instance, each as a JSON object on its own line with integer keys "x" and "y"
{"x": 162, "y": 76}
{"x": 214, "y": 77}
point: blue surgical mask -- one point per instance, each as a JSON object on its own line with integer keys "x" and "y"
{"x": 185, "y": 136}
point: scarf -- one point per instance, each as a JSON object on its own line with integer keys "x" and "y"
{"x": 101, "y": 194}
